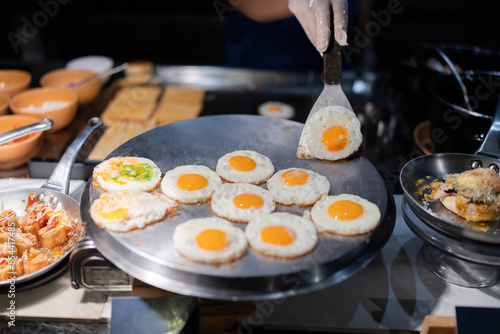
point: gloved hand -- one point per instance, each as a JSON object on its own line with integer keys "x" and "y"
{"x": 314, "y": 16}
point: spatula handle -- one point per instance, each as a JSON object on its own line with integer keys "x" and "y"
{"x": 332, "y": 59}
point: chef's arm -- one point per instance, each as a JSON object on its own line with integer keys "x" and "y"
{"x": 313, "y": 15}
{"x": 263, "y": 10}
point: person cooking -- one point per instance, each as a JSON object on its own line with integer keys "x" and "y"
{"x": 270, "y": 34}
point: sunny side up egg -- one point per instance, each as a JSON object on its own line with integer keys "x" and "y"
{"x": 276, "y": 109}
{"x": 345, "y": 214}
{"x": 190, "y": 184}
{"x": 245, "y": 166}
{"x": 126, "y": 210}
{"x": 333, "y": 133}
{"x": 122, "y": 173}
{"x": 298, "y": 186}
{"x": 282, "y": 235}
{"x": 210, "y": 240}
{"x": 241, "y": 202}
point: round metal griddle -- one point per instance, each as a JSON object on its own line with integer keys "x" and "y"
{"x": 148, "y": 254}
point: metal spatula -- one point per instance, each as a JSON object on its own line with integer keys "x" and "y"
{"x": 332, "y": 94}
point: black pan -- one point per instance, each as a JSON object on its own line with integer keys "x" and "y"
{"x": 416, "y": 176}
{"x": 56, "y": 187}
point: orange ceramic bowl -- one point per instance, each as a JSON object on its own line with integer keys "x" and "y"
{"x": 13, "y": 82}
{"x": 17, "y": 153}
{"x": 64, "y": 78}
{"x": 4, "y": 103}
{"x": 59, "y": 105}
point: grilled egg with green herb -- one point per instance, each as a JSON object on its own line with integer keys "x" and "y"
{"x": 127, "y": 173}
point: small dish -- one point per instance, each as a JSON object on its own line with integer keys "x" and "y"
{"x": 18, "y": 152}
{"x": 13, "y": 82}
{"x": 59, "y": 105}
{"x": 4, "y": 103}
{"x": 66, "y": 79}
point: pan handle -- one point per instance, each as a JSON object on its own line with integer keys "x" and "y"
{"x": 491, "y": 144}
{"x": 59, "y": 179}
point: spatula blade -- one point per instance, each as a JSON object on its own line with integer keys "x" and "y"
{"x": 331, "y": 95}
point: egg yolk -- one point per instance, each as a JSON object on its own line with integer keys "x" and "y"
{"x": 248, "y": 201}
{"x": 274, "y": 108}
{"x": 345, "y": 210}
{"x": 113, "y": 215}
{"x": 212, "y": 240}
{"x": 242, "y": 164}
{"x": 335, "y": 138}
{"x": 295, "y": 177}
{"x": 277, "y": 235}
{"x": 191, "y": 182}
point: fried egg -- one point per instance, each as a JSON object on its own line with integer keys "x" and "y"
{"x": 126, "y": 210}
{"x": 240, "y": 202}
{"x": 245, "y": 166}
{"x": 345, "y": 214}
{"x": 276, "y": 109}
{"x": 210, "y": 240}
{"x": 190, "y": 184}
{"x": 281, "y": 234}
{"x": 298, "y": 186}
{"x": 122, "y": 173}
{"x": 333, "y": 133}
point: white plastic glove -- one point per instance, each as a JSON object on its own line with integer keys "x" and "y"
{"x": 314, "y": 16}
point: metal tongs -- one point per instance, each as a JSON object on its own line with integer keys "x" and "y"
{"x": 43, "y": 125}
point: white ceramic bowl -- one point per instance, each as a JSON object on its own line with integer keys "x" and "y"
{"x": 93, "y": 63}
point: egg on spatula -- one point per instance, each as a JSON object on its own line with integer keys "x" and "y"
{"x": 333, "y": 133}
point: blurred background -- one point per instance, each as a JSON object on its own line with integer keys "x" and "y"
{"x": 196, "y": 31}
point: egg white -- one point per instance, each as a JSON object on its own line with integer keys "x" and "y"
{"x": 107, "y": 175}
{"x": 329, "y": 117}
{"x": 222, "y": 202}
{"x": 263, "y": 170}
{"x": 276, "y": 109}
{"x": 365, "y": 223}
{"x": 184, "y": 238}
{"x": 316, "y": 187}
{"x": 305, "y": 240}
{"x": 126, "y": 210}
{"x": 170, "y": 188}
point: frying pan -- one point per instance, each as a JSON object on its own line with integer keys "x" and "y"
{"x": 416, "y": 176}
{"x": 56, "y": 187}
